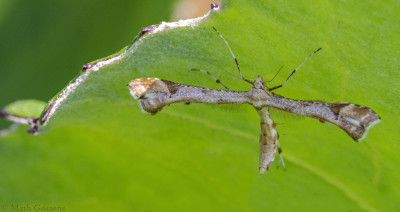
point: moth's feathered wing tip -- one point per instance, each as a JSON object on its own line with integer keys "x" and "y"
{"x": 133, "y": 89}
{"x": 368, "y": 128}
{"x": 138, "y": 87}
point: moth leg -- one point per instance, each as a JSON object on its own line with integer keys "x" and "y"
{"x": 280, "y": 157}
{"x": 294, "y": 71}
{"x": 217, "y": 80}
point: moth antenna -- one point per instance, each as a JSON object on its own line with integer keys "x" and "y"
{"x": 234, "y": 57}
{"x": 294, "y": 71}
{"x": 217, "y": 80}
{"x": 275, "y": 75}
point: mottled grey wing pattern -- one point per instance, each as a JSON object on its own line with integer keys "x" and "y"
{"x": 355, "y": 120}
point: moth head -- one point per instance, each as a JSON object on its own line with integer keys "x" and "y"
{"x": 259, "y": 83}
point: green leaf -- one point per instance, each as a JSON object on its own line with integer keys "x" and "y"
{"x": 26, "y": 108}
{"x": 99, "y": 152}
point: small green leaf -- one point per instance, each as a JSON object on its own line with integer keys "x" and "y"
{"x": 26, "y": 108}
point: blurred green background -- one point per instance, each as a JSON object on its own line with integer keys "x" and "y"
{"x": 44, "y": 44}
